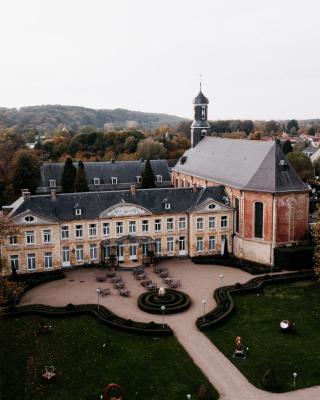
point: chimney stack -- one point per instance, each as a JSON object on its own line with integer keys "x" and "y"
{"x": 53, "y": 195}
{"x": 25, "y": 194}
{"x": 133, "y": 189}
{"x": 195, "y": 187}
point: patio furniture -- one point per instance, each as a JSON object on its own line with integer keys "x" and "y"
{"x": 119, "y": 285}
{"x": 124, "y": 292}
{"x": 116, "y": 279}
{"x": 145, "y": 283}
{"x": 167, "y": 280}
{"x": 111, "y": 274}
{"x": 151, "y": 286}
{"x": 141, "y": 277}
{"x": 105, "y": 292}
{"x": 164, "y": 274}
{"x": 100, "y": 278}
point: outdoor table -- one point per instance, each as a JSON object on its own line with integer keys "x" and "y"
{"x": 164, "y": 274}
{"x": 119, "y": 285}
{"x": 146, "y": 283}
{"x": 167, "y": 280}
{"x": 124, "y": 292}
{"x": 141, "y": 277}
{"x": 100, "y": 278}
{"x": 105, "y": 292}
{"x": 111, "y": 274}
{"x": 116, "y": 279}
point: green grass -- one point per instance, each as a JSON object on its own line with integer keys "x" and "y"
{"x": 256, "y": 319}
{"x": 146, "y": 367}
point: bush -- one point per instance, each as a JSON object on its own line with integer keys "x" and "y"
{"x": 70, "y": 307}
{"x": 294, "y": 257}
{"x": 270, "y": 380}
{"x": 204, "y": 393}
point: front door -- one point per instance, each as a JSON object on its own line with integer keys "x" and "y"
{"x": 65, "y": 257}
{"x": 133, "y": 252}
{"x": 182, "y": 246}
{"x": 120, "y": 252}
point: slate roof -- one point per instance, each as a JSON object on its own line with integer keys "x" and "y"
{"x": 125, "y": 171}
{"x": 200, "y": 99}
{"x": 93, "y": 203}
{"x": 244, "y": 164}
{"x": 310, "y": 150}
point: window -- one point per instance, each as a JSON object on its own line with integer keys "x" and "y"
{"x": 212, "y": 206}
{"x": 145, "y": 249}
{"x": 212, "y": 222}
{"x": 237, "y": 215}
{"x": 30, "y": 237}
{"x": 29, "y": 218}
{"x": 114, "y": 180}
{"x": 159, "y": 178}
{"x": 158, "y": 246}
{"x": 48, "y": 260}
{"x": 14, "y": 262}
{"x": 13, "y": 239}
{"x": 133, "y": 251}
{"x": 258, "y": 220}
{"x": 212, "y": 243}
{"x": 132, "y": 227}
{"x": 65, "y": 232}
{"x": 138, "y": 179}
{"x": 92, "y": 229}
{"x": 52, "y": 183}
{"x": 31, "y": 261}
{"x": 106, "y": 229}
{"x": 119, "y": 228}
{"x": 167, "y": 206}
{"x": 199, "y": 224}
{"x": 157, "y": 225}
{"x": 170, "y": 244}
{"x": 78, "y": 211}
{"x": 66, "y": 254}
{"x": 182, "y": 223}
{"x": 199, "y": 244}
{"x": 47, "y": 236}
{"x": 96, "y": 181}
{"x": 93, "y": 252}
{"x": 79, "y": 232}
{"x": 79, "y": 253}
{"x": 169, "y": 224}
{"x": 145, "y": 225}
{"x": 224, "y": 221}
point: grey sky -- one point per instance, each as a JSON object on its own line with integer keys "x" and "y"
{"x": 259, "y": 58}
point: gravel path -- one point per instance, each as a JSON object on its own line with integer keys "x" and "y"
{"x": 199, "y": 281}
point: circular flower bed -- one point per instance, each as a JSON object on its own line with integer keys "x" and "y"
{"x": 173, "y": 300}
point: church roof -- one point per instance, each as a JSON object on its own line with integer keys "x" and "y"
{"x": 200, "y": 99}
{"x": 244, "y": 164}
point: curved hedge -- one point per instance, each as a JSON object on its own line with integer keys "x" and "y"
{"x": 224, "y": 295}
{"x": 174, "y": 300}
{"x": 103, "y": 315}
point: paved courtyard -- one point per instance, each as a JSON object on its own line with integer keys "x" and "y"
{"x": 199, "y": 281}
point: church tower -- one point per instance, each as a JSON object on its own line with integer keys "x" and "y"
{"x": 200, "y": 126}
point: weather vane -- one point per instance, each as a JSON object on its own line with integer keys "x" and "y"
{"x": 200, "y": 79}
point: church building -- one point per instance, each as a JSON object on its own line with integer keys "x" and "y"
{"x": 270, "y": 201}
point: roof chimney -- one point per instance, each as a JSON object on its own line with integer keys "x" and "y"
{"x": 194, "y": 187}
{"x": 25, "y": 194}
{"x": 53, "y": 195}
{"x": 133, "y": 189}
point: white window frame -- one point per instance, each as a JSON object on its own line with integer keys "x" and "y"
{"x": 158, "y": 246}
{"x": 212, "y": 240}
{"x": 224, "y": 223}
{"x": 31, "y": 262}
{"x": 119, "y": 227}
{"x": 132, "y": 227}
{"x": 159, "y": 178}
{"x": 157, "y": 225}
{"x": 30, "y": 235}
{"x": 145, "y": 225}
{"x": 200, "y": 224}
{"x": 199, "y": 245}
{"x": 79, "y": 253}
{"x": 77, "y": 229}
{"x": 182, "y": 223}
{"x": 170, "y": 224}
{"x": 212, "y": 223}
{"x": 14, "y": 261}
{"x": 78, "y": 212}
{"x": 170, "y": 244}
{"x": 139, "y": 178}
{"x": 46, "y": 236}
{"x": 93, "y": 251}
{"x": 52, "y": 183}
{"x": 48, "y": 260}
{"x": 65, "y": 250}
{"x": 167, "y": 206}
{"x": 13, "y": 240}
{"x": 92, "y": 230}
{"x": 96, "y": 181}
{"x": 106, "y": 228}
{"x": 64, "y": 232}
{"x": 114, "y": 180}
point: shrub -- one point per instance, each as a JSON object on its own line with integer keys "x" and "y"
{"x": 70, "y": 307}
{"x": 270, "y": 380}
{"x": 204, "y": 393}
{"x": 294, "y": 257}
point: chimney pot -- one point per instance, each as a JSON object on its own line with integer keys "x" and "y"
{"x": 195, "y": 187}
{"x": 25, "y": 193}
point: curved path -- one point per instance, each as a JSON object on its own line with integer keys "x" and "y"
{"x": 199, "y": 281}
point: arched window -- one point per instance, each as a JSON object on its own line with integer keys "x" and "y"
{"x": 237, "y": 215}
{"x": 258, "y": 220}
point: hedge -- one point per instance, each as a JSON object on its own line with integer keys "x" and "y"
{"x": 294, "y": 257}
{"x": 224, "y": 300}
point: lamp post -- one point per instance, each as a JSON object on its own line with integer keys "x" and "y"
{"x": 163, "y": 308}
{"x": 98, "y": 293}
{"x": 294, "y": 379}
{"x": 204, "y": 302}
{"x": 189, "y": 396}
{"x": 221, "y": 280}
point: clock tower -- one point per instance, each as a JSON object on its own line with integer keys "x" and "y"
{"x": 200, "y": 126}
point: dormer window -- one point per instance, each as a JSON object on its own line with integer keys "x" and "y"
{"x": 159, "y": 178}
{"x": 96, "y": 181}
{"x": 29, "y": 218}
{"x": 52, "y": 183}
{"x": 167, "y": 206}
{"x": 78, "y": 212}
{"x": 138, "y": 179}
{"x": 114, "y": 180}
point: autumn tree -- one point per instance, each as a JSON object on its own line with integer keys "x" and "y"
{"x": 68, "y": 177}
{"x": 287, "y": 147}
{"x": 151, "y": 149}
{"x": 26, "y": 171}
{"x": 302, "y": 165}
{"x": 81, "y": 184}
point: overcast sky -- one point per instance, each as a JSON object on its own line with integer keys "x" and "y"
{"x": 260, "y": 59}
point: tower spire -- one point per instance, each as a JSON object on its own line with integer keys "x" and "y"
{"x": 200, "y": 79}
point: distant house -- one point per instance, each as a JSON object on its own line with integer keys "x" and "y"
{"x": 109, "y": 175}
{"x": 310, "y": 150}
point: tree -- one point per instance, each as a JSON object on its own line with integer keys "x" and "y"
{"x": 68, "y": 177}
{"x": 254, "y": 135}
{"x": 204, "y": 393}
{"x": 81, "y": 184}
{"x": 270, "y": 380}
{"x": 302, "y": 165}
{"x": 272, "y": 126}
{"x": 287, "y": 147}
{"x": 7, "y": 228}
{"x": 147, "y": 178}
{"x": 316, "y": 239}
{"x": 26, "y": 172}
{"x": 151, "y": 149}
{"x": 292, "y": 127}
{"x": 247, "y": 126}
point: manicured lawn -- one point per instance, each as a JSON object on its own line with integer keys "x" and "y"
{"x": 146, "y": 367}
{"x": 256, "y": 320}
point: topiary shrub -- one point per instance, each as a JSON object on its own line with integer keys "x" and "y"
{"x": 205, "y": 393}
{"x": 270, "y": 380}
{"x": 70, "y": 307}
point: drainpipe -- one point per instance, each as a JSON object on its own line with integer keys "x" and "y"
{"x": 274, "y": 227}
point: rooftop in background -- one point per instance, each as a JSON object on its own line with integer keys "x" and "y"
{"x": 92, "y": 204}
{"x": 100, "y": 174}
{"x": 244, "y": 164}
